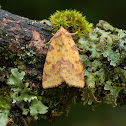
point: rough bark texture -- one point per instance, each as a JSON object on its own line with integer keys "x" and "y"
{"x": 16, "y": 30}
{"x": 21, "y": 43}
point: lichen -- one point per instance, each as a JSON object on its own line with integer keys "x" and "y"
{"x": 104, "y": 63}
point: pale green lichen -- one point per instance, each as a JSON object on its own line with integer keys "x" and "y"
{"x": 104, "y": 61}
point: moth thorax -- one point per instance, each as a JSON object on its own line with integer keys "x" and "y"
{"x": 60, "y": 43}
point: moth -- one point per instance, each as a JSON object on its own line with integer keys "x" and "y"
{"x": 62, "y": 62}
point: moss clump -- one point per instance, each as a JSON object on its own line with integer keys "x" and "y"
{"x": 71, "y": 20}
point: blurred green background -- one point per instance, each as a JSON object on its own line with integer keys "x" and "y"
{"x": 80, "y": 115}
{"x": 112, "y": 11}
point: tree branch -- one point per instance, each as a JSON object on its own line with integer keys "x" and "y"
{"x": 22, "y": 98}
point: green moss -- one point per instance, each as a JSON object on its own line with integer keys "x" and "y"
{"x": 71, "y": 20}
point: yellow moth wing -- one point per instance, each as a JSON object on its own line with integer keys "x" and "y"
{"x": 51, "y": 75}
{"x": 62, "y": 62}
{"x": 72, "y": 69}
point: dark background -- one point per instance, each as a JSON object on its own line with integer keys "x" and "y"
{"x": 80, "y": 115}
{"x": 112, "y": 11}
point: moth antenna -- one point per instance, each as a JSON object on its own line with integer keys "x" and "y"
{"x": 73, "y": 33}
{"x": 43, "y": 44}
{"x": 81, "y": 50}
{"x": 53, "y": 34}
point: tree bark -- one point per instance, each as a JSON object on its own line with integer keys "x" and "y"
{"x": 19, "y": 31}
